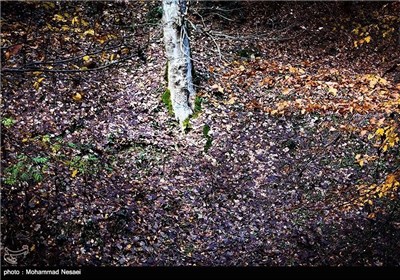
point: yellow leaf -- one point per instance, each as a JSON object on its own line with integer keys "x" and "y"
{"x": 332, "y": 90}
{"x": 112, "y": 56}
{"x": 58, "y": 17}
{"x": 241, "y": 68}
{"x": 89, "y": 32}
{"x": 355, "y": 44}
{"x": 74, "y": 172}
{"x": 77, "y": 96}
{"x": 84, "y": 22}
{"x": 25, "y": 140}
{"x": 367, "y": 39}
{"x": 86, "y": 58}
{"x": 75, "y": 20}
{"x": 383, "y": 81}
{"x": 379, "y": 131}
{"x": 373, "y": 80}
{"x": 36, "y": 84}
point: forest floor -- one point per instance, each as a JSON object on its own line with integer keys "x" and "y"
{"x": 299, "y": 119}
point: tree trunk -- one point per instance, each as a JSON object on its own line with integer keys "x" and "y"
{"x": 177, "y": 49}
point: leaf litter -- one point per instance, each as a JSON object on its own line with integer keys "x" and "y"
{"x": 264, "y": 176}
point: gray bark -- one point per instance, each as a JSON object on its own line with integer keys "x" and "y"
{"x": 177, "y": 50}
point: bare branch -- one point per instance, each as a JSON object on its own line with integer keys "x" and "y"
{"x": 16, "y": 70}
{"x": 248, "y": 37}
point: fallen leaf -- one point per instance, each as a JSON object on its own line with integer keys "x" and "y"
{"x": 89, "y": 32}
{"x": 77, "y": 96}
{"x": 218, "y": 87}
{"x": 371, "y": 216}
{"x": 363, "y": 132}
{"x": 36, "y": 84}
{"x": 332, "y": 90}
{"x": 13, "y": 50}
{"x": 74, "y": 172}
{"x": 75, "y": 20}
{"x": 231, "y": 100}
{"x": 286, "y": 91}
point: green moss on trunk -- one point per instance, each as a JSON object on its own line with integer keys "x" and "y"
{"x": 166, "y": 99}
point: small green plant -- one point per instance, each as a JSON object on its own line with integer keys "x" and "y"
{"x": 55, "y": 147}
{"x": 87, "y": 164}
{"x": 26, "y": 169}
{"x": 154, "y": 15}
{"x": 40, "y": 160}
{"x": 166, "y": 99}
{"x": 46, "y": 138}
{"x": 186, "y": 125}
{"x": 72, "y": 145}
{"x": 197, "y": 106}
{"x": 8, "y": 122}
{"x": 206, "y": 130}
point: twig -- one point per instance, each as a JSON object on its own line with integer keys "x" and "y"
{"x": 218, "y": 9}
{"x": 72, "y": 58}
{"x": 315, "y": 155}
{"x": 208, "y": 35}
{"x": 246, "y": 38}
{"x": 11, "y": 70}
{"x": 222, "y": 16}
